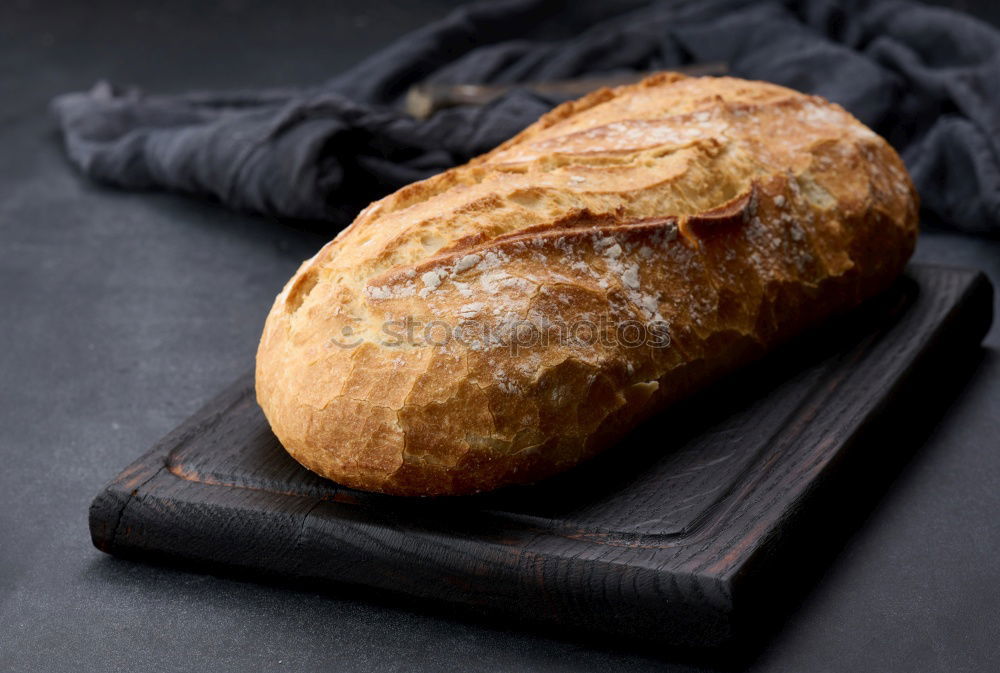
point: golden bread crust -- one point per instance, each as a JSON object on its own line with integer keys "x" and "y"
{"x": 725, "y": 213}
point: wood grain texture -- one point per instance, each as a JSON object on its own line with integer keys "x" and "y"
{"x": 668, "y": 539}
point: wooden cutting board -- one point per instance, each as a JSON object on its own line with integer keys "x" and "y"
{"x": 684, "y": 534}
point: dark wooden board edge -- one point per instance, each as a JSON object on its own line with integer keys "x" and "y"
{"x": 107, "y": 507}
{"x": 797, "y": 551}
{"x": 290, "y": 540}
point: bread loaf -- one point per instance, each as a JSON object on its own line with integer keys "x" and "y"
{"x": 507, "y": 319}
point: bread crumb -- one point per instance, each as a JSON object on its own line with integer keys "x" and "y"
{"x": 466, "y": 263}
{"x": 631, "y": 276}
{"x": 471, "y": 310}
{"x": 431, "y": 279}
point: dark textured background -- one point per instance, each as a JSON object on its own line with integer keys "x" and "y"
{"x": 124, "y": 312}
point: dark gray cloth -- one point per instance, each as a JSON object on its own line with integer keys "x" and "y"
{"x": 927, "y": 79}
